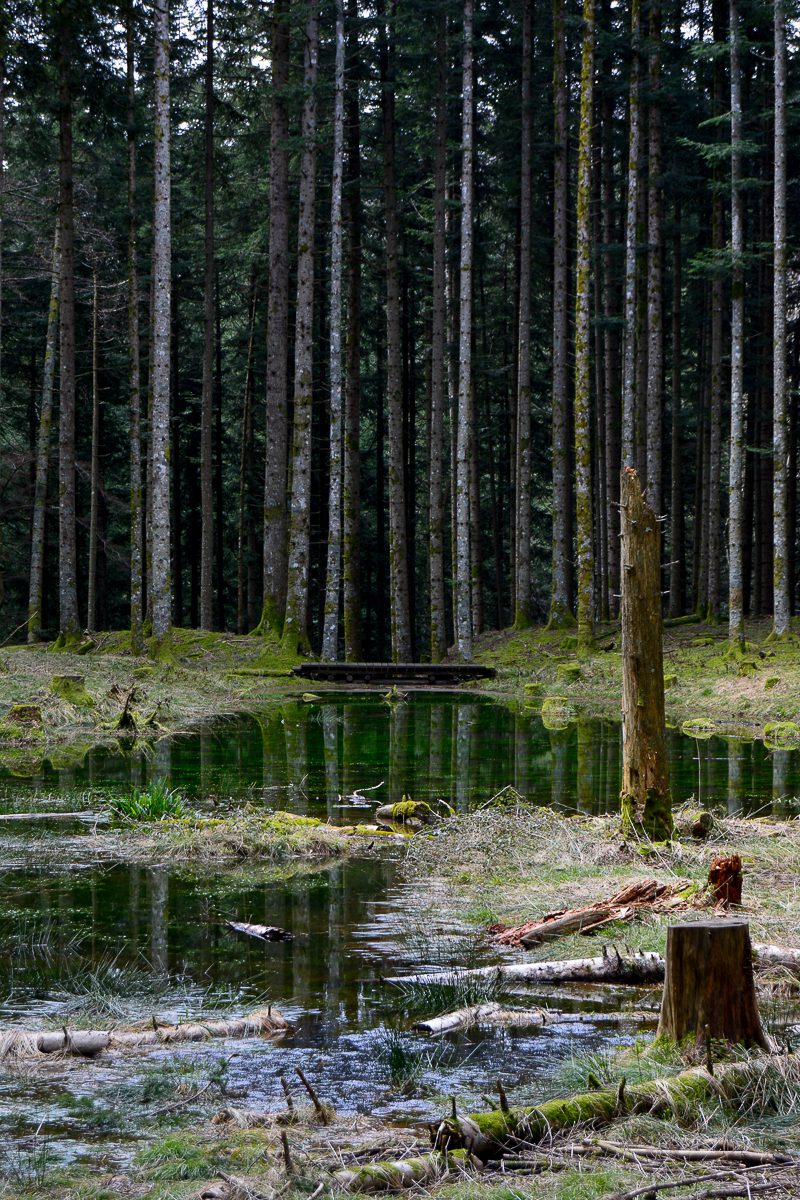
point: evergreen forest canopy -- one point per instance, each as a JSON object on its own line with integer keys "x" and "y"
{"x": 340, "y": 321}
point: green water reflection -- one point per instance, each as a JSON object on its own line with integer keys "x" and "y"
{"x": 461, "y": 750}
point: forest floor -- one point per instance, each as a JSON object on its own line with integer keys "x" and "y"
{"x": 523, "y": 863}
{"x": 738, "y": 694}
{"x": 209, "y": 675}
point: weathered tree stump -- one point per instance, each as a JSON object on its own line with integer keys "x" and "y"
{"x": 708, "y": 988}
{"x": 645, "y": 797}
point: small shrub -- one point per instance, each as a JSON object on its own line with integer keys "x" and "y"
{"x": 155, "y": 802}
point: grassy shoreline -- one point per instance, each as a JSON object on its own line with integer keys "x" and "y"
{"x": 207, "y": 675}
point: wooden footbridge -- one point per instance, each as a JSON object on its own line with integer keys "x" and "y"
{"x": 406, "y": 673}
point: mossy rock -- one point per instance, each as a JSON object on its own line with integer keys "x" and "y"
{"x": 781, "y": 735}
{"x": 770, "y": 682}
{"x": 702, "y": 641}
{"x": 670, "y": 680}
{"x": 557, "y": 713}
{"x": 533, "y": 690}
{"x": 72, "y": 689}
{"x": 569, "y": 672}
{"x": 699, "y": 727}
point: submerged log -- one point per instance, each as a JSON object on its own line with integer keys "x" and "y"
{"x": 26, "y": 1043}
{"x": 264, "y": 933}
{"x": 480, "y": 1014}
{"x": 489, "y": 1135}
{"x": 709, "y": 990}
{"x": 515, "y": 1018}
{"x": 645, "y": 797}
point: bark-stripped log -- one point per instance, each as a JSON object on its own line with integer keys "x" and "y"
{"x": 606, "y": 968}
{"x": 612, "y": 967}
{"x": 27, "y": 1043}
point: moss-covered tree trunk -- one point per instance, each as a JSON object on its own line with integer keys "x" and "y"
{"x": 709, "y": 989}
{"x": 646, "y": 800}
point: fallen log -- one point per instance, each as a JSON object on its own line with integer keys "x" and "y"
{"x": 622, "y": 906}
{"x": 26, "y": 1043}
{"x": 609, "y": 967}
{"x": 514, "y": 1018}
{"x": 751, "y": 1158}
{"x": 488, "y": 1135}
{"x": 264, "y": 933}
{"x": 400, "y": 1174}
{"x": 82, "y": 815}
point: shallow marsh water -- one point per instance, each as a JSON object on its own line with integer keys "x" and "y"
{"x": 100, "y": 943}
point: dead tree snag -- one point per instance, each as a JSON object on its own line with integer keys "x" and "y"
{"x": 645, "y": 797}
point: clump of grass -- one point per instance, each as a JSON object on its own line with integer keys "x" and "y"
{"x": 154, "y": 802}
{"x": 30, "y": 1163}
{"x": 459, "y": 990}
{"x": 406, "y": 1064}
{"x": 177, "y": 1156}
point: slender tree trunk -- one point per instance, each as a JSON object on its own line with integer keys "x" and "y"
{"x": 452, "y": 397}
{"x": 295, "y": 630}
{"x": 219, "y": 451}
{"x": 94, "y": 476}
{"x": 738, "y": 402}
{"x": 398, "y": 550}
{"x": 560, "y": 613}
{"x": 333, "y": 589}
{"x": 475, "y": 526}
{"x": 245, "y": 550}
{"x": 465, "y": 432}
{"x": 438, "y": 635}
{"x": 67, "y": 548}
{"x": 583, "y": 413}
{"x": 780, "y": 443}
{"x": 677, "y": 543}
{"x": 715, "y": 414}
{"x": 523, "y": 613}
{"x": 631, "y": 221}
{"x": 43, "y": 454}
{"x": 3, "y": 44}
{"x": 161, "y": 594}
{"x": 134, "y": 383}
{"x": 207, "y": 402}
{"x": 351, "y": 500}
{"x": 277, "y": 428}
{"x": 655, "y": 253}
{"x": 610, "y": 337}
